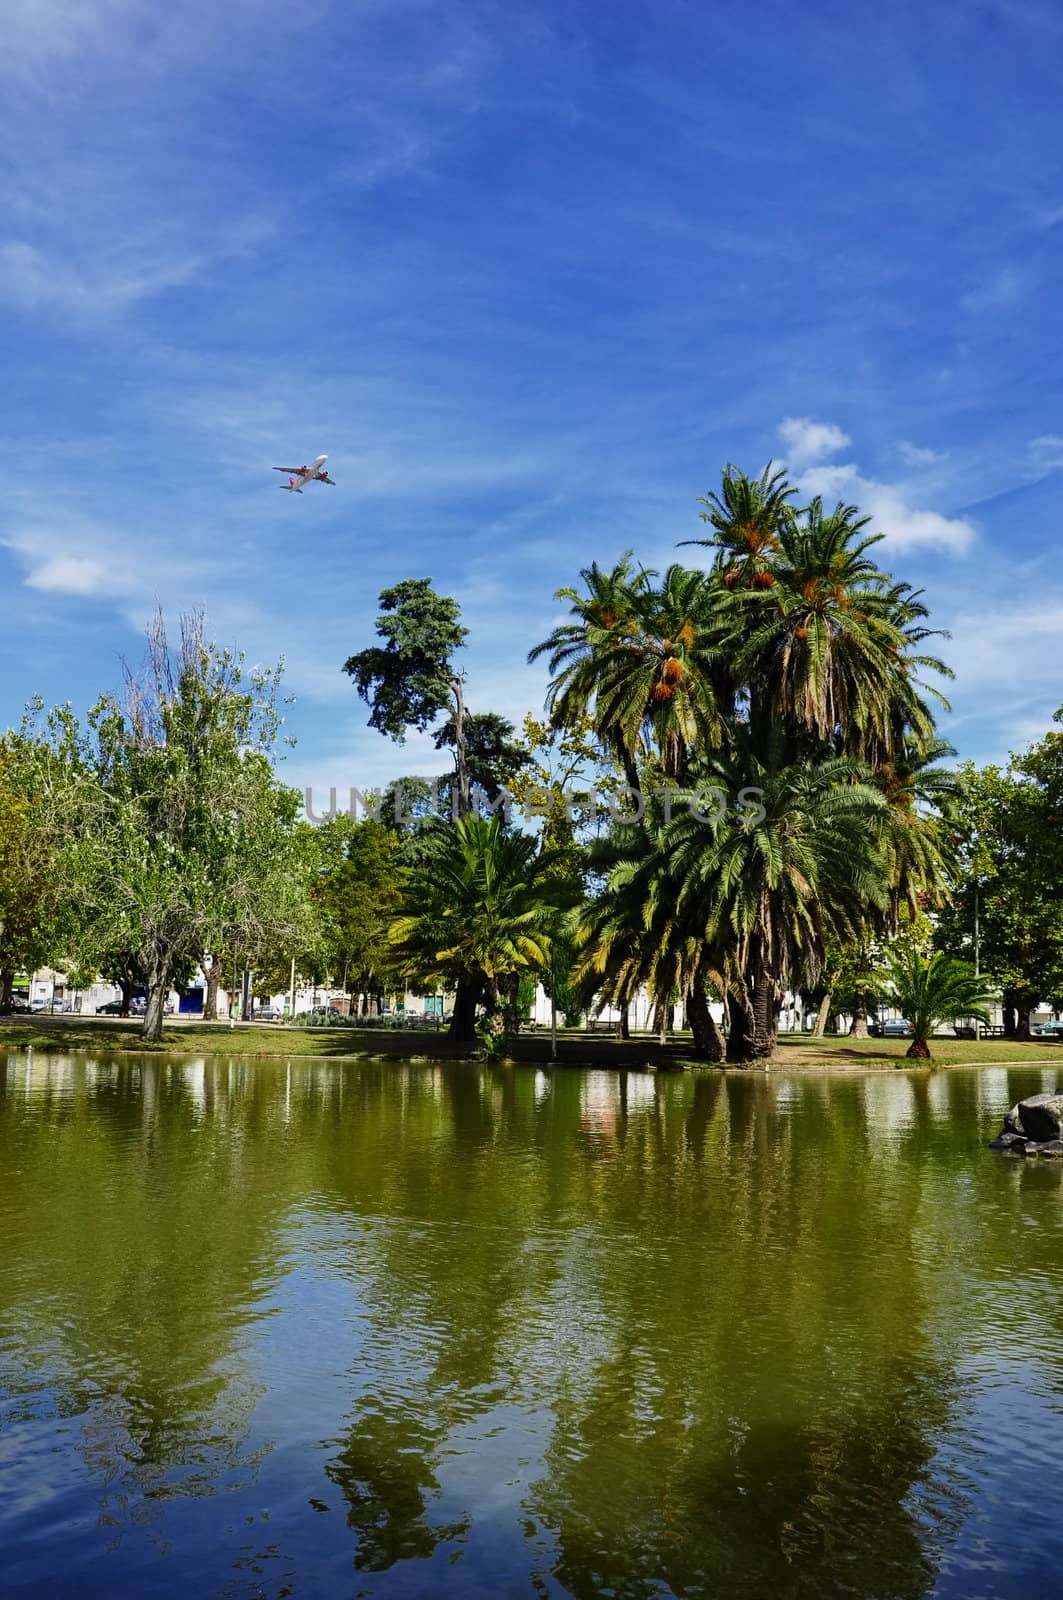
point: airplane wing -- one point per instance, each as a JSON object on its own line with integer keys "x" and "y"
{"x": 296, "y": 470}
{"x": 327, "y": 479}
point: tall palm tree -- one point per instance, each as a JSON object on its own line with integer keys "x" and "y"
{"x": 935, "y": 989}
{"x": 921, "y": 797}
{"x": 584, "y": 651}
{"x": 641, "y": 661}
{"x": 482, "y": 911}
{"x": 821, "y": 651}
{"x": 748, "y": 517}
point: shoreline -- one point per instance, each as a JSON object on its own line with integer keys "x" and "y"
{"x": 580, "y": 1052}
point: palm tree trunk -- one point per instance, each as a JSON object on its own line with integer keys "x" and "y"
{"x": 821, "y": 1016}
{"x": 765, "y": 1016}
{"x": 623, "y": 1024}
{"x": 708, "y": 1040}
{"x": 918, "y": 1050}
{"x": 463, "y": 1024}
{"x": 858, "y": 1026}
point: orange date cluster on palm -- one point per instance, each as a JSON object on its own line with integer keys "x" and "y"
{"x": 662, "y": 691}
{"x": 763, "y": 580}
{"x": 672, "y": 670}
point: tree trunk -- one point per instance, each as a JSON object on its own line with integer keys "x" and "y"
{"x": 1022, "y": 1022}
{"x": 708, "y": 1040}
{"x": 821, "y": 1017}
{"x": 7, "y": 983}
{"x": 125, "y": 983}
{"x": 858, "y": 1026}
{"x": 765, "y": 1016}
{"x": 158, "y": 987}
{"x": 510, "y": 1015}
{"x": 1009, "y": 1009}
{"x": 463, "y": 1024}
{"x": 210, "y": 1004}
{"x": 754, "y": 1020}
{"x": 918, "y": 1050}
{"x": 623, "y": 1022}
{"x": 462, "y": 793}
{"x": 739, "y": 1030}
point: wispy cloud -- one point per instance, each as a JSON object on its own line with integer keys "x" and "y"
{"x": 914, "y": 455}
{"x": 1000, "y": 290}
{"x": 1046, "y": 452}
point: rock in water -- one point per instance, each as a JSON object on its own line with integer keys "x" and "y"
{"x": 1033, "y": 1127}
{"x": 1038, "y": 1117}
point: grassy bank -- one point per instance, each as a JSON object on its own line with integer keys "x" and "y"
{"x": 577, "y": 1049}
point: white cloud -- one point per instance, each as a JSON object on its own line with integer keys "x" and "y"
{"x": 807, "y": 441}
{"x": 68, "y": 575}
{"x": 914, "y": 455}
{"x": 1046, "y": 452}
{"x": 904, "y": 525}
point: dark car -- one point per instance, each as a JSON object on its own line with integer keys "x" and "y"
{"x": 895, "y": 1028}
{"x": 113, "y": 1008}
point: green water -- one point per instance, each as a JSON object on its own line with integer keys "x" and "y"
{"x": 336, "y": 1329}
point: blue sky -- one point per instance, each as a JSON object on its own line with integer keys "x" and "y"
{"x": 530, "y": 276}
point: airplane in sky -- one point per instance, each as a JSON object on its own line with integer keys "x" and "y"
{"x": 298, "y": 476}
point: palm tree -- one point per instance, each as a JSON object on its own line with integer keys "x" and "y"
{"x": 583, "y": 652}
{"x": 920, "y": 799}
{"x": 630, "y": 936}
{"x": 479, "y": 914}
{"x": 642, "y": 662}
{"x": 771, "y": 881}
{"x": 748, "y": 516}
{"x": 935, "y": 989}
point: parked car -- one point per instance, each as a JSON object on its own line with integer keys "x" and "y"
{"x": 322, "y": 1014}
{"x": 1050, "y": 1030}
{"x": 895, "y": 1028}
{"x": 40, "y": 1005}
{"x": 113, "y": 1008}
{"x": 20, "y": 1007}
{"x": 268, "y": 1014}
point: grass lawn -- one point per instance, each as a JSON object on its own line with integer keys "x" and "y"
{"x": 574, "y": 1048}
{"x": 800, "y": 1049}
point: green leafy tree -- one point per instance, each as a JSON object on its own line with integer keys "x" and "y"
{"x": 410, "y": 679}
{"x": 1006, "y": 824}
{"x": 180, "y": 837}
{"x": 357, "y": 896}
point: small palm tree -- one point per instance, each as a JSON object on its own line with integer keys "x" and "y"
{"x": 935, "y": 989}
{"x": 481, "y": 912}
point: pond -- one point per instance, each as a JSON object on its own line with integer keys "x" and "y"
{"x": 385, "y": 1329}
